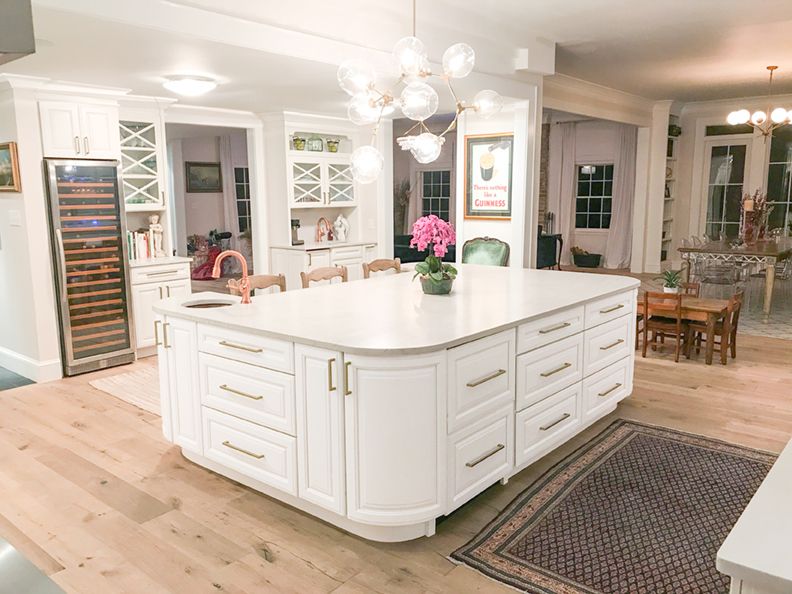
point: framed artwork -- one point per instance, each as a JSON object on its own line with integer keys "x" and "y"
{"x": 203, "y": 177}
{"x": 488, "y": 176}
{"x": 9, "y": 168}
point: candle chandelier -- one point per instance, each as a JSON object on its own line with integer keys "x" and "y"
{"x": 417, "y": 101}
{"x": 779, "y": 116}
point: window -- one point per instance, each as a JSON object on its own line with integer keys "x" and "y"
{"x": 436, "y": 193}
{"x": 594, "y": 196}
{"x": 725, "y": 190}
{"x": 779, "y": 179}
{"x": 242, "y": 187}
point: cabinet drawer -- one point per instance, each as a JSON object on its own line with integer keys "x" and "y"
{"x": 537, "y": 333}
{"x": 547, "y": 370}
{"x": 479, "y": 455}
{"x": 480, "y": 378}
{"x": 248, "y": 348}
{"x": 609, "y": 308}
{"x": 257, "y": 452}
{"x": 354, "y": 252}
{"x": 252, "y": 393}
{"x": 607, "y": 343}
{"x": 607, "y": 387}
{"x": 159, "y": 273}
{"x": 541, "y": 428}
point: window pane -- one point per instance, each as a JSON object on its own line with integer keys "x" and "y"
{"x": 446, "y": 177}
{"x": 583, "y": 188}
{"x": 606, "y": 205}
{"x": 608, "y": 191}
{"x": 738, "y": 164}
{"x": 581, "y": 205}
{"x": 778, "y": 182}
{"x": 594, "y": 221}
{"x": 597, "y": 188}
{"x": 608, "y": 171}
{"x": 239, "y": 175}
{"x": 580, "y": 221}
{"x": 606, "y": 219}
{"x": 595, "y": 205}
{"x": 715, "y": 207}
{"x": 733, "y": 198}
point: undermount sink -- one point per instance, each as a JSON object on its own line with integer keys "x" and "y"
{"x": 208, "y": 303}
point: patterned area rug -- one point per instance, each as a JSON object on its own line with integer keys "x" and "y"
{"x": 139, "y": 387}
{"x": 638, "y": 510}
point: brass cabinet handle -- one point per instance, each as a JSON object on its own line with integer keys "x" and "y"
{"x": 554, "y": 328}
{"x": 162, "y": 273}
{"x": 85, "y": 143}
{"x": 484, "y": 456}
{"x": 241, "y": 347}
{"x": 330, "y": 386}
{"x": 160, "y": 292}
{"x": 165, "y": 335}
{"x": 609, "y": 390}
{"x": 167, "y": 290}
{"x": 486, "y": 378}
{"x": 156, "y": 332}
{"x": 611, "y": 309}
{"x": 231, "y": 446}
{"x": 564, "y": 417}
{"x": 554, "y": 371}
{"x": 77, "y": 144}
{"x": 613, "y": 344}
{"x": 347, "y": 365}
{"x": 239, "y": 392}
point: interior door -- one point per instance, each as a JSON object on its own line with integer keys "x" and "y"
{"x": 724, "y": 186}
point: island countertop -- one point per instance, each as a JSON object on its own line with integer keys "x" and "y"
{"x": 390, "y": 314}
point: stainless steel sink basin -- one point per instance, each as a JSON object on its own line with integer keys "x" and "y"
{"x": 207, "y": 303}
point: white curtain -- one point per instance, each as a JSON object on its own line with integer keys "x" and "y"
{"x": 619, "y": 248}
{"x": 561, "y": 182}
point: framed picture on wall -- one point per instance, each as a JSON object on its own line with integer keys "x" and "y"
{"x": 203, "y": 177}
{"x": 9, "y": 168}
{"x": 488, "y": 176}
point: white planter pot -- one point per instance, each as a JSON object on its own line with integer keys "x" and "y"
{"x": 671, "y": 290}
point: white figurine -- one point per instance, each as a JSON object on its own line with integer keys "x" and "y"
{"x": 341, "y": 228}
{"x": 156, "y": 231}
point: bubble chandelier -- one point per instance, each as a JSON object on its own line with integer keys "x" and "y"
{"x": 759, "y": 119}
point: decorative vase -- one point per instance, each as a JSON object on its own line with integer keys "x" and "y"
{"x": 332, "y": 145}
{"x": 431, "y": 287}
{"x": 673, "y": 290}
{"x": 299, "y": 143}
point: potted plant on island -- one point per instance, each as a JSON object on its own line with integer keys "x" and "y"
{"x": 433, "y": 233}
{"x": 672, "y": 281}
{"x": 583, "y": 259}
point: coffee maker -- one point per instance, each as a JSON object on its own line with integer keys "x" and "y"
{"x": 295, "y": 235}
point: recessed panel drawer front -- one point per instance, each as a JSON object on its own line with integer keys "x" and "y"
{"x": 545, "y": 371}
{"x": 609, "y": 308}
{"x": 248, "y": 348}
{"x": 257, "y": 452}
{"x": 159, "y": 273}
{"x": 252, "y": 393}
{"x": 541, "y": 428}
{"x": 479, "y": 455}
{"x": 605, "y": 388}
{"x": 552, "y": 328}
{"x": 480, "y": 378}
{"x": 607, "y": 344}
{"x": 339, "y": 254}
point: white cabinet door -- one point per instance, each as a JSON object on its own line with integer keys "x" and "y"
{"x": 143, "y": 299}
{"x": 60, "y": 129}
{"x": 178, "y": 288}
{"x": 164, "y": 381}
{"x": 339, "y": 185}
{"x": 306, "y": 182}
{"x": 179, "y": 338}
{"x": 395, "y": 411}
{"x": 320, "y": 427}
{"x": 99, "y": 131}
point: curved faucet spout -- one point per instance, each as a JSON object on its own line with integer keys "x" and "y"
{"x": 244, "y": 282}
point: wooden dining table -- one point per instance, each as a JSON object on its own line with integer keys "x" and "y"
{"x": 697, "y": 309}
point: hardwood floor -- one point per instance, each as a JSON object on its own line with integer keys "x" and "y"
{"x": 91, "y": 493}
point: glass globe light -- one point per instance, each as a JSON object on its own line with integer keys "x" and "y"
{"x": 355, "y": 76}
{"x": 458, "y": 60}
{"x": 779, "y": 115}
{"x": 363, "y": 109}
{"x": 366, "y": 164}
{"x": 410, "y": 55}
{"x": 733, "y": 118}
{"x": 789, "y": 115}
{"x": 487, "y": 103}
{"x": 758, "y": 118}
{"x": 743, "y": 116}
{"x": 419, "y": 101}
{"x": 426, "y": 147}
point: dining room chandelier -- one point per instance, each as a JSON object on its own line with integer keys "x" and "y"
{"x": 759, "y": 119}
{"x": 417, "y": 100}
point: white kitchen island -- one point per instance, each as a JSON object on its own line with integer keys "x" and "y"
{"x": 379, "y": 409}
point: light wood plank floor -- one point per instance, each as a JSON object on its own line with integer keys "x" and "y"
{"x": 91, "y": 493}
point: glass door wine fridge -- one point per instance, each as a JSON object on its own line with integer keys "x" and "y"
{"x": 90, "y": 263}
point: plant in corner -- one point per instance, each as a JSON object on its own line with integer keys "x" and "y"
{"x": 672, "y": 281}
{"x": 435, "y": 234}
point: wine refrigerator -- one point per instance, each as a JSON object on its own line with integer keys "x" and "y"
{"x": 90, "y": 263}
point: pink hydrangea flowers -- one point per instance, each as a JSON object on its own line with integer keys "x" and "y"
{"x": 434, "y": 231}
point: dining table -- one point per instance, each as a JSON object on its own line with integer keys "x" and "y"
{"x": 697, "y": 309}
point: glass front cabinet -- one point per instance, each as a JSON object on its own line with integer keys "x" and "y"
{"x": 320, "y": 180}
{"x": 142, "y": 170}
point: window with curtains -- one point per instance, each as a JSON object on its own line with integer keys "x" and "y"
{"x": 242, "y": 188}
{"x": 594, "y": 196}
{"x": 436, "y": 193}
{"x": 725, "y": 189}
{"x": 779, "y": 179}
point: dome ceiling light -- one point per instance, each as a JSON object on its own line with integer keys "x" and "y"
{"x": 190, "y": 86}
{"x": 764, "y": 121}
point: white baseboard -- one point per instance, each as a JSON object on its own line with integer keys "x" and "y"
{"x": 38, "y": 371}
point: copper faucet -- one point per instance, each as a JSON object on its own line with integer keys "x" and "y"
{"x": 244, "y": 282}
{"x": 321, "y": 232}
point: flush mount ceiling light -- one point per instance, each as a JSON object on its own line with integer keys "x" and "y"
{"x": 190, "y": 86}
{"x": 417, "y": 101}
{"x": 760, "y": 120}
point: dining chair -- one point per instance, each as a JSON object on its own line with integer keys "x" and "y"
{"x": 669, "y": 324}
{"x": 691, "y": 289}
{"x": 323, "y": 274}
{"x": 381, "y": 265}
{"x": 259, "y": 281}
{"x": 485, "y": 250}
{"x": 698, "y": 330}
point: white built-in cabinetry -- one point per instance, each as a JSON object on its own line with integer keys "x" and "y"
{"x": 79, "y": 129}
{"x": 143, "y": 159}
{"x": 292, "y": 261}
{"x": 320, "y": 180}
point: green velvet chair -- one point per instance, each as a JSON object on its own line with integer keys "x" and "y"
{"x": 485, "y": 250}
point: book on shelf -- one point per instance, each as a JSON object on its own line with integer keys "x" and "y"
{"x": 140, "y": 245}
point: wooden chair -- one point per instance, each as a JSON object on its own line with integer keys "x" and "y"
{"x": 670, "y": 323}
{"x": 721, "y": 343}
{"x": 259, "y": 281}
{"x": 485, "y": 250}
{"x": 319, "y": 274}
{"x": 380, "y": 266}
{"x": 691, "y": 289}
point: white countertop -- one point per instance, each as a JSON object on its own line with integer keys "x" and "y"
{"x": 159, "y": 261}
{"x": 758, "y": 550}
{"x": 323, "y": 245}
{"x": 390, "y": 314}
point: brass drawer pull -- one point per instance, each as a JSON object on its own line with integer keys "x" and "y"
{"x": 549, "y": 373}
{"x": 240, "y": 347}
{"x": 347, "y": 365}
{"x": 609, "y": 390}
{"x": 162, "y": 273}
{"x": 330, "y": 363}
{"x": 156, "y": 332}
{"x": 554, "y": 328}
{"x": 239, "y": 392}
{"x": 613, "y": 344}
{"x": 564, "y": 417}
{"x": 486, "y": 378}
{"x": 231, "y": 446}
{"x": 612, "y": 309}
{"x": 165, "y": 335}
{"x": 484, "y": 456}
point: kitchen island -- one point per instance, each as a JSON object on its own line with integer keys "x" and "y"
{"x": 379, "y": 409}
